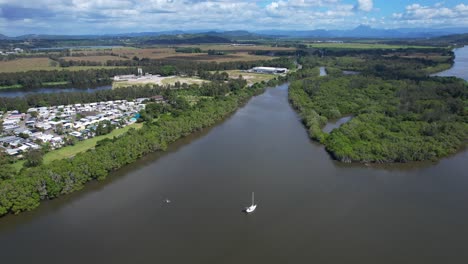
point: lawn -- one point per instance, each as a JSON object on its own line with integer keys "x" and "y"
{"x": 84, "y": 145}
{"x": 363, "y": 46}
{"x": 80, "y": 146}
{"x": 159, "y": 81}
{"x": 15, "y": 86}
{"x": 250, "y": 76}
{"x": 188, "y": 80}
{"x": 54, "y": 83}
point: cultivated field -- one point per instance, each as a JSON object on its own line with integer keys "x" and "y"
{"x": 26, "y": 64}
{"x": 362, "y": 46}
{"x": 233, "y": 53}
{"x": 42, "y": 64}
{"x": 226, "y": 47}
{"x": 166, "y": 53}
{"x": 102, "y": 59}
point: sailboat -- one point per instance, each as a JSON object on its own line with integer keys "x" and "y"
{"x": 251, "y": 208}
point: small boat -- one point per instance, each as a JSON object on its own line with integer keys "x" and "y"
{"x": 167, "y": 201}
{"x": 251, "y": 208}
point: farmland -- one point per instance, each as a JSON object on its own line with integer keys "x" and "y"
{"x": 92, "y": 58}
{"x": 363, "y": 46}
{"x": 26, "y": 64}
{"x": 100, "y": 57}
{"x": 41, "y": 64}
{"x": 233, "y": 53}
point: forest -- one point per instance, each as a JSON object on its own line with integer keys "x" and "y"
{"x": 399, "y": 113}
{"x": 99, "y": 77}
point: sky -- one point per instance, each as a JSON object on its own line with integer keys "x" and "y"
{"x": 75, "y": 17}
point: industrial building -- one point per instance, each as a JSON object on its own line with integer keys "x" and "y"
{"x": 269, "y": 70}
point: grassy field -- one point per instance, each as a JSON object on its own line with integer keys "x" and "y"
{"x": 80, "y": 146}
{"x": 37, "y": 64}
{"x": 16, "y": 86}
{"x": 101, "y": 59}
{"x": 226, "y": 47}
{"x": 250, "y": 77}
{"x": 54, "y": 83}
{"x": 362, "y": 46}
{"x": 160, "y": 81}
{"x": 26, "y": 64}
{"x": 235, "y": 53}
{"x": 188, "y": 80}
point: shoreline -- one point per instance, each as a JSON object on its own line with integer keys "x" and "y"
{"x": 159, "y": 147}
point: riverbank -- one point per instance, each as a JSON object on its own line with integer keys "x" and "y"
{"x": 209, "y": 176}
{"x": 25, "y": 191}
{"x": 396, "y": 118}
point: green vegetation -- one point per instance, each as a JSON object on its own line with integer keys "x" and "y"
{"x": 14, "y": 86}
{"x": 94, "y": 76}
{"x": 400, "y": 114}
{"x": 250, "y": 76}
{"x": 82, "y": 146}
{"x": 164, "y": 124}
{"x": 54, "y": 83}
{"x": 188, "y": 50}
{"x": 364, "y": 46}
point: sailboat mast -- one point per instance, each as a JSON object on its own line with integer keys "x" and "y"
{"x": 253, "y": 197}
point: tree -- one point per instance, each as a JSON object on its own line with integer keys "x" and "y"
{"x": 59, "y": 129}
{"x": 24, "y": 135}
{"x": 6, "y": 169}
{"x": 34, "y": 158}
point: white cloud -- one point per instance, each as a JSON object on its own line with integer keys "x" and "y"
{"x": 365, "y": 5}
{"x": 437, "y": 15}
{"x": 112, "y": 16}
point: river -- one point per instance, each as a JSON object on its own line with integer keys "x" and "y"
{"x": 311, "y": 209}
{"x": 460, "y": 67}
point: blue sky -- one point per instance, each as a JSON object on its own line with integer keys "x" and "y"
{"x": 119, "y": 16}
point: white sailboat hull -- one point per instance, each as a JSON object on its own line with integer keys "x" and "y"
{"x": 251, "y": 208}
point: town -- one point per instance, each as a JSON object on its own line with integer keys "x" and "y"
{"x": 57, "y": 126}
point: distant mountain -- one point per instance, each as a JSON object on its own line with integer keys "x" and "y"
{"x": 459, "y": 39}
{"x": 364, "y": 31}
{"x": 187, "y": 39}
{"x": 361, "y": 31}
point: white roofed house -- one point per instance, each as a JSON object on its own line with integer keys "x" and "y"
{"x": 45, "y": 137}
{"x": 269, "y": 70}
{"x": 45, "y": 126}
{"x": 54, "y": 124}
{"x": 56, "y": 142}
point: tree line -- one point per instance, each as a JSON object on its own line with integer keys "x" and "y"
{"x": 99, "y": 77}
{"x": 394, "y": 120}
{"x": 24, "y": 190}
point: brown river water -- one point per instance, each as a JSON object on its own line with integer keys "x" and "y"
{"x": 311, "y": 209}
